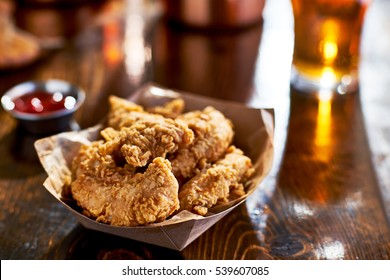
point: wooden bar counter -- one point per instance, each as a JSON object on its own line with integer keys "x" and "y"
{"x": 328, "y": 193}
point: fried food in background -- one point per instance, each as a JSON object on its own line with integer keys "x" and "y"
{"x": 152, "y": 162}
{"x": 17, "y": 47}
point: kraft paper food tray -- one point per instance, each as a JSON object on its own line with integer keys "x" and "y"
{"x": 253, "y": 134}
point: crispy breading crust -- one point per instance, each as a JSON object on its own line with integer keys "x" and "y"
{"x": 216, "y": 183}
{"x": 119, "y": 196}
{"x": 148, "y": 166}
{"x": 213, "y": 135}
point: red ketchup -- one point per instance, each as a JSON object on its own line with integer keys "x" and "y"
{"x": 39, "y": 102}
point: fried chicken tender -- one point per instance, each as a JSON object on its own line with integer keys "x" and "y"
{"x": 123, "y": 113}
{"x": 170, "y": 110}
{"x": 213, "y": 135}
{"x": 143, "y": 141}
{"x": 217, "y": 183}
{"x": 118, "y": 196}
{"x": 119, "y": 109}
{"x": 155, "y": 161}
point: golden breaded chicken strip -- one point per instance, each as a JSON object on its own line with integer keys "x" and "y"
{"x": 123, "y": 112}
{"x": 118, "y": 196}
{"x": 119, "y": 109}
{"x": 213, "y": 135}
{"x": 146, "y": 140}
{"x": 216, "y": 183}
{"x": 171, "y": 109}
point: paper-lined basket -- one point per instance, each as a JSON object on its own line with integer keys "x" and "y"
{"x": 253, "y": 134}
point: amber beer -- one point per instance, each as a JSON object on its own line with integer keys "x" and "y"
{"x": 326, "y": 45}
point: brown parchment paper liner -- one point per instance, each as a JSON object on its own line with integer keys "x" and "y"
{"x": 253, "y": 134}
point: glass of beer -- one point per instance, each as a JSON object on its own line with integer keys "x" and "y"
{"x": 326, "y": 44}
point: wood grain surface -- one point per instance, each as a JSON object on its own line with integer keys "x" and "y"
{"x": 327, "y": 195}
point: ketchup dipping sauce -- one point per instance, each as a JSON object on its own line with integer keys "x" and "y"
{"x": 41, "y": 102}
{"x": 43, "y": 106}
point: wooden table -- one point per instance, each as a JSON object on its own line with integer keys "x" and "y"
{"x": 328, "y": 193}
